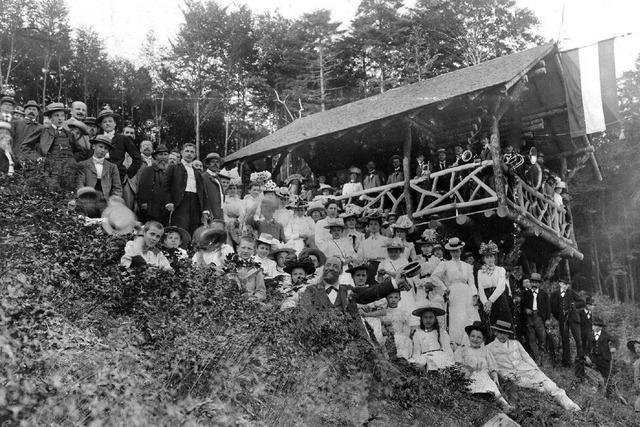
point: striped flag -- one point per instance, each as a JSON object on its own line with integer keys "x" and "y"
{"x": 590, "y": 84}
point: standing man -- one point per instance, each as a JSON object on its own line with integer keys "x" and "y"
{"x": 535, "y": 303}
{"x": 213, "y": 194}
{"x": 122, "y": 145}
{"x": 373, "y": 178}
{"x": 586, "y": 325}
{"x": 441, "y": 164}
{"x": 97, "y": 173}
{"x": 565, "y": 304}
{"x": 24, "y": 127}
{"x": 146, "y": 150}
{"x": 396, "y": 174}
{"x": 79, "y": 113}
{"x": 55, "y": 146}
{"x": 184, "y": 189}
{"x": 151, "y": 188}
{"x": 601, "y": 352}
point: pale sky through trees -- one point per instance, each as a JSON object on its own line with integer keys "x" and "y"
{"x": 124, "y": 23}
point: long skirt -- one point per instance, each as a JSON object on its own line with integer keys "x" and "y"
{"x": 433, "y": 360}
{"x": 481, "y": 382}
{"x": 500, "y": 309}
{"x": 461, "y": 311}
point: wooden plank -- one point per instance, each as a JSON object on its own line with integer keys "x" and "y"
{"x": 406, "y": 167}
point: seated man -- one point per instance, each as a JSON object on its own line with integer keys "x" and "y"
{"x": 514, "y": 363}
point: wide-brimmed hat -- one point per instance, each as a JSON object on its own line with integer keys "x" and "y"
{"x": 334, "y": 222}
{"x": 185, "y": 237}
{"x": 19, "y": 110}
{"x": 441, "y": 150}
{"x": 394, "y": 243}
{"x": 32, "y": 103}
{"x": 373, "y": 215}
{"x": 322, "y": 258}
{"x": 161, "y": 149}
{"x": 351, "y": 210}
{"x": 281, "y": 248}
{"x": 102, "y": 139}
{"x": 598, "y": 321}
{"x": 403, "y": 223}
{"x": 269, "y": 186}
{"x": 303, "y": 262}
{"x": 73, "y": 122}
{"x": 294, "y": 177}
{"x": 488, "y": 248}
{"x": 535, "y": 277}
{"x": 86, "y": 192}
{"x": 410, "y": 270}
{"x": 564, "y": 280}
{"x": 223, "y": 173}
{"x": 282, "y": 192}
{"x": 437, "y": 311}
{"x": 210, "y": 237}
{"x": 297, "y": 203}
{"x": 90, "y": 121}
{"x": 326, "y": 187}
{"x": 503, "y": 326}
{"x": 118, "y": 219}
{"x": 631, "y": 344}
{"x": 476, "y": 326}
{"x": 453, "y": 244}
{"x": 53, "y": 107}
{"x": 104, "y": 113}
{"x": 212, "y": 156}
{"x": 358, "y": 266}
{"x": 428, "y": 237}
{"x": 8, "y": 99}
{"x": 315, "y": 206}
{"x": 267, "y": 239}
{"x": 355, "y": 170}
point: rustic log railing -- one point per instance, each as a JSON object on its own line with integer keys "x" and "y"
{"x": 465, "y": 188}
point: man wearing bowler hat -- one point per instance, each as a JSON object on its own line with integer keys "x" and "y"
{"x": 55, "y": 147}
{"x": 151, "y": 195}
{"x": 565, "y": 303}
{"x": 396, "y": 174}
{"x": 25, "y": 127}
{"x": 536, "y": 312}
{"x": 213, "y": 195}
{"x": 601, "y": 352}
{"x": 98, "y": 173}
{"x": 586, "y": 325}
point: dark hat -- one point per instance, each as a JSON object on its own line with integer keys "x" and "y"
{"x": 103, "y": 139}
{"x": 210, "y": 237}
{"x": 598, "y": 321}
{"x": 87, "y": 192}
{"x": 185, "y": 237}
{"x": 73, "y": 122}
{"x": 476, "y": 326}
{"x": 564, "y": 280}
{"x": 503, "y": 326}
{"x": 535, "y": 277}
{"x": 90, "y": 121}
{"x": 412, "y": 269}
{"x": 297, "y": 204}
{"x": 302, "y": 262}
{"x": 589, "y": 300}
{"x": 396, "y": 156}
{"x": 314, "y": 251}
{"x": 467, "y": 254}
{"x": 19, "y": 110}
{"x": 437, "y": 311}
{"x": 212, "y": 156}
{"x": 8, "y": 99}
{"x": 355, "y": 267}
{"x": 32, "y": 103}
{"x": 161, "y": 149}
{"x": 104, "y": 113}
{"x": 631, "y": 344}
{"x": 53, "y": 107}
{"x": 441, "y": 150}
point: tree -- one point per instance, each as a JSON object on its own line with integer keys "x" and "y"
{"x": 90, "y": 65}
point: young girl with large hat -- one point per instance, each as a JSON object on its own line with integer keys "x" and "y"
{"x": 431, "y": 342}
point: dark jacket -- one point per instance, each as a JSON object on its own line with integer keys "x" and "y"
{"x": 544, "y": 310}
{"x": 151, "y": 191}
{"x": 110, "y": 181}
{"x": 176, "y": 182}
{"x": 21, "y": 130}
{"x": 601, "y": 353}
{"x": 123, "y": 144}
{"x": 4, "y": 162}
{"x": 212, "y": 195}
{"x": 376, "y": 179}
{"x": 38, "y": 143}
{"x": 566, "y": 309}
{"x": 316, "y": 297}
{"x": 586, "y": 331}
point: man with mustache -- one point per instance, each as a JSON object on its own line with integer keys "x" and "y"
{"x": 25, "y": 127}
{"x": 151, "y": 197}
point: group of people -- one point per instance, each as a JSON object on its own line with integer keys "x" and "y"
{"x": 320, "y": 254}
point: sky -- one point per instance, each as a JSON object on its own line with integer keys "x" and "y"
{"x": 124, "y": 23}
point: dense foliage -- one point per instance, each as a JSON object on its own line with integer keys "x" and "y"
{"x": 82, "y": 341}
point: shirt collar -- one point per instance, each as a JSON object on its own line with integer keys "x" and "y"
{"x": 215, "y": 175}
{"x": 187, "y": 165}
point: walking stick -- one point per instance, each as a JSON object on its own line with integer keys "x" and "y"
{"x": 170, "y": 215}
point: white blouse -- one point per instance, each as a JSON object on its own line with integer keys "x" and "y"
{"x": 497, "y": 279}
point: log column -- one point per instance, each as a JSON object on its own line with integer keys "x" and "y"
{"x": 406, "y": 169}
{"x": 498, "y": 174}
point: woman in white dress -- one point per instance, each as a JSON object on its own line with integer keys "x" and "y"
{"x": 492, "y": 285}
{"x": 299, "y": 228}
{"x": 354, "y": 185}
{"x": 479, "y": 365}
{"x": 431, "y": 343}
{"x": 457, "y": 276}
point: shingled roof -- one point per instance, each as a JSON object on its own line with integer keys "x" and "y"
{"x": 505, "y": 70}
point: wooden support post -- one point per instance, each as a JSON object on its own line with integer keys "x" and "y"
{"x": 406, "y": 169}
{"x": 496, "y": 156}
{"x": 563, "y": 168}
{"x": 553, "y": 264}
{"x": 593, "y": 160}
{"x": 276, "y": 169}
{"x": 514, "y": 254}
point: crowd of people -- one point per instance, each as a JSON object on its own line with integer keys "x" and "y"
{"x": 428, "y": 294}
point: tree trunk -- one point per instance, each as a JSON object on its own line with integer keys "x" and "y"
{"x": 498, "y": 177}
{"x": 322, "y": 90}
{"x": 595, "y": 259}
{"x": 612, "y": 272}
{"x": 406, "y": 169}
{"x": 197, "y": 115}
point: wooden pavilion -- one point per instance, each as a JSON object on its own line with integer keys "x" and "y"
{"x": 517, "y": 100}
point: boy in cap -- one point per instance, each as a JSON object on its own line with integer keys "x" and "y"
{"x": 98, "y": 173}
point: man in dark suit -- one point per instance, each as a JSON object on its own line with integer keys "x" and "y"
{"x": 441, "y": 164}
{"x": 373, "y": 178}
{"x": 536, "y": 311}
{"x": 24, "y": 127}
{"x": 184, "y": 188}
{"x": 586, "y": 325}
{"x": 396, "y": 175}
{"x": 152, "y": 197}
{"x": 98, "y": 173}
{"x": 329, "y": 294}
{"x": 213, "y": 196}
{"x": 565, "y": 304}
{"x": 122, "y": 145}
{"x": 601, "y": 351}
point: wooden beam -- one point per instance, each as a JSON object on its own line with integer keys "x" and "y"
{"x": 406, "y": 169}
{"x": 593, "y": 160}
{"x": 496, "y": 156}
{"x": 546, "y": 113}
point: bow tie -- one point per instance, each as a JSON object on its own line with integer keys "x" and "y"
{"x": 98, "y": 161}
{"x": 535, "y": 291}
{"x": 331, "y": 289}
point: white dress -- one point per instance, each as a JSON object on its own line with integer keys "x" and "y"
{"x": 351, "y": 187}
{"x": 482, "y": 363}
{"x": 457, "y": 276}
{"x": 427, "y": 350}
{"x": 295, "y": 231}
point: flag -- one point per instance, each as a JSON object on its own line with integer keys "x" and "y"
{"x": 590, "y": 85}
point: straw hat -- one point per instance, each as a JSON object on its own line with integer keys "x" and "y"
{"x": 212, "y": 156}
{"x": 32, "y": 103}
{"x": 394, "y": 243}
{"x": 453, "y": 244}
{"x": 281, "y": 248}
{"x": 535, "y": 277}
{"x": 503, "y": 326}
{"x": 334, "y": 222}
{"x": 185, "y": 237}
{"x": 437, "y": 311}
{"x": 315, "y": 206}
{"x": 53, "y": 107}
{"x": 355, "y": 170}
{"x": 104, "y": 113}
{"x": 350, "y": 211}
{"x": 267, "y": 239}
{"x": 403, "y": 223}
{"x": 118, "y": 219}
{"x": 326, "y": 187}
{"x": 102, "y": 139}
{"x": 412, "y": 269}
{"x": 210, "y": 237}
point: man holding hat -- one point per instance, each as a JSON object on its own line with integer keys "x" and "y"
{"x": 79, "y": 114}
{"x": 213, "y": 195}
{"x": 536, "y": 312}
{"x": 99, "y": 174}
{"x": 56, "y": 147}
{"x": 25, "y": 126}
{"x": 396, "y": 174}
{"x": 565, "y": 303}
{"x": 151, "y": 196}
